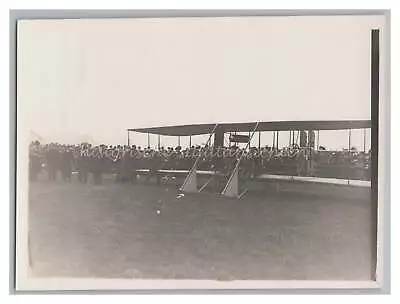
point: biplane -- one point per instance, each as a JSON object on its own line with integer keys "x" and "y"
{"x": 233, "y": 181}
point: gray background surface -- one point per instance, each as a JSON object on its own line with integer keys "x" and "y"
{"x": 68, "y": 14}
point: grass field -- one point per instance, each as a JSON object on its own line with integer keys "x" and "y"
{"x": 145, "y": 231}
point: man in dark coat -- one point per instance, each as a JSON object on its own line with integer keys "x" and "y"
{"x": 301, "y": 162}
{"x": 134, "y": 163}
{"x": 35, "y": 164}
{"x": 155, "y": 163}
{"x": 83, "y": 165}
{"x": 97, "y": 166}
{"x": 125, "y": 167}
{"x": 52, "y": 161}
{"x": 67, "y": 160}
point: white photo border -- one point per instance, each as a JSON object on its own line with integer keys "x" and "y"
{"x": 24, "y": 281}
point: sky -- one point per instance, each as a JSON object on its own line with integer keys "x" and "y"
{"x": 90, "y": 80}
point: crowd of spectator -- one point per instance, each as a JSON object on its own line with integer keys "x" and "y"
{"x": 125, "y": 161}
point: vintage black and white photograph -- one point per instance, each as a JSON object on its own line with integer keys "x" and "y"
{"x": 226, "y": 149}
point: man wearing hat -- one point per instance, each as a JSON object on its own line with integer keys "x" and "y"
{"x": 35, "y": 164}
{"x": 66, "y": 163}
{"x": 52, "y": 161}
{"x": 83, "y": 164}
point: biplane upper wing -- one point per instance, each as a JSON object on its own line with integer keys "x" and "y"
{"x": 199, "y": 129}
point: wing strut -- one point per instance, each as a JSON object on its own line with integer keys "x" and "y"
{"x": 190, "y": 183}
{"x": 232, "y": 186}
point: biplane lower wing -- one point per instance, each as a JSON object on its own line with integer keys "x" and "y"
{"x": 180, "y": 172}
{"x": 273, "y": 178}
{"x": 315, "y": 180}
